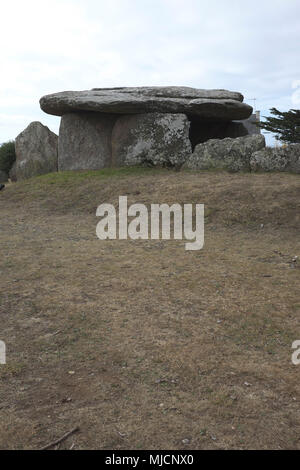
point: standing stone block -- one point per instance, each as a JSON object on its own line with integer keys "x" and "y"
{"x": 36, "y": 151}
{"x": 285, "y": 158}
{"x": 153, "y": 139}
{"x": 228, "y": 154}
{"x": 85, "y": 141}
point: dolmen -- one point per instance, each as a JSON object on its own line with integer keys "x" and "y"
{"x": 156, "y": 126}
{"x": 153, "y": 126}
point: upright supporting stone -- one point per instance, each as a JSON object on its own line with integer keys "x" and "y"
{"x": 153, "y": 139}
{"x": 85, "y": 141}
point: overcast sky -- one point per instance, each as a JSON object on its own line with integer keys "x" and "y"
{"x": 49, "y": 46}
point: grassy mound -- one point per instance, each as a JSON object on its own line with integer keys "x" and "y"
{"x": 140, "y": 343}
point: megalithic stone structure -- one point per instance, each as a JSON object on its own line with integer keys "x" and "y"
{"x": 106, "y": 127}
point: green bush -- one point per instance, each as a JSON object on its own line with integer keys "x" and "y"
{"x": 7, "y": 156}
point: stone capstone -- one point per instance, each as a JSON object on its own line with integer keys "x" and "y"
{"x": 208, "y": 104}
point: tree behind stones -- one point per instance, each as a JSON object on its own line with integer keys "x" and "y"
{"x": 285, "y": 125}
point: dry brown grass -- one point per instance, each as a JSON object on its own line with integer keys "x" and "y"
{"x": 162, "y": 342}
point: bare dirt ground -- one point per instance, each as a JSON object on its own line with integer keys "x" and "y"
{"x": 142, "y": 344}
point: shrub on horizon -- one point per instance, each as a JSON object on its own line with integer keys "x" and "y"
{"x": 7, "y": 156}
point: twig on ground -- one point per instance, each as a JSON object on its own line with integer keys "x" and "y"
{"x": 56, "y": 333}
{"x": 54, "y": 443}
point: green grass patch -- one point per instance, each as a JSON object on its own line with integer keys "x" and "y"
{"x": 77, "y": 176}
